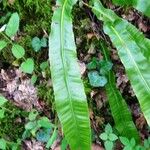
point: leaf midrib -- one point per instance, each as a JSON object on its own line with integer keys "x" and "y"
{"x": 115, "y": 93}
{"x": 64, "y": 66}
{"x": 116, "y": 97}
{"x": 132, "y": 59}
{"x": 128, "y": 51}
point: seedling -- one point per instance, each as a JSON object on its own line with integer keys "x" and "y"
{"x": 40, "y": 128}
{"x": 108, "y": 137}
{"x": 8, "y": 31}
{"x": 98, "y": 70}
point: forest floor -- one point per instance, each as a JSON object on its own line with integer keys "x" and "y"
{"x": 25, "y": 97}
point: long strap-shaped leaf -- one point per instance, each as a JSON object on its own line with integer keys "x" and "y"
{"x": 69, "y": 92}
{"x": 130, "y": 53}
{"x": 119, "y": 109}
{"x": 141, "y": 5}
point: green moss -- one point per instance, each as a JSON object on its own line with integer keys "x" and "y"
{"x": 46, "y": 93}
{"x": 82, "y": 26}
{"x": 35, "y": 20}
{"x": 12, "y": 126}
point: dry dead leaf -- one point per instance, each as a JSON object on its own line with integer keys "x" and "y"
{"x": 140, "y": 122}
{"x": 19, "y": 89}
{"x": 33, "y": 145}
{"x": 92, "y": 49}
{"x": 142, "y": 26}
{"x": 130, "y": 16}
{"x": 97, "y": 147}
{"x": 90, "y": 35}
{"x": 82, "y": 67}
{"x": 11, "y": 2}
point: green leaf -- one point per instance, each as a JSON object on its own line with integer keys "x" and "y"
{"x": 118, "y": 106}
{"x": 2, "y": 113}
{"x": 70, "y": 98}
{"x": 26, "y": 134}
{"x": 43, "y": 42}
{"x": 3, "y": 144}
{"x": 128, "y": 147}
{"x": 43, "y": 135}
{"x": 28, "y": 66}
{"x": 132, "y": 142}
{"x": 141, "y": 5}
{"x": 105, "y": 67}
{"x": 33, "y": 114}
{"x": 93, "y": 64}
{"x": 108, "y": 129}
{"x": 125, "y": 141}
{"x": 112, "y": 137}
{"x": 3, "y": 100}
{"x": 120, "y": 110}
{"x": 31, "y": 125}
{"x": 18, "y": 51}
{"x": 44, "y": 122}
{"x": 124, "y": 2}
{"x": 13, "y": 25}
{"x": 3, "y": 44}
{"x": 146, "y": 144}
{"x": 52, "y": 139}
{"x": 108, "y": 145}
{"x": 64, "y": 144}
{"x": 36, "y": 44}
{"x": 104, "y": 136}
{"x": 33, "y": 79}
{"x": 130, "y": 53}
{"x": 96, "y": 80}
{"x": 44, "y": 65}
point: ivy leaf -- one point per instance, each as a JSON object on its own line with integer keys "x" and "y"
{"x": 43, "y": 42}
{"x": 44, "y": 122}
{"x": 2, "y": 113}
{"x": 44, "y": 65}
{"x": 105, "y": 67}
{"x": 28, "y": 66}
{"x": 43, "y": 135}
{"x": 2, "y": 44}
{"x": 2, "y": 144}
{"x": 18, "y": 51}
{"x": 36, "y": 44}
{"x": 13, "y": 25}
{"x": 93, "y": 64}
{"x": 96, "y": 80}
{"x": 3, "y": 100}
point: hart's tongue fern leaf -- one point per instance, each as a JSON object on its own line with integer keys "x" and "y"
{"x": 71, "y": 104}
{"x": 119, "y": 109}
{"x": 130, "y": 52}
{"x": 141, "y": 5}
